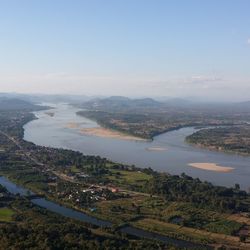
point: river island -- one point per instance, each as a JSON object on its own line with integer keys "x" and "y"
{"x": 211, "y": 167}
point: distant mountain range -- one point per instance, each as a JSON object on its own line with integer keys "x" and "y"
{"x": 120, "y": 103}
{"x": 17, "y": 104}
{"x": 46, "y": 98}
{"x": 148, "y": 105}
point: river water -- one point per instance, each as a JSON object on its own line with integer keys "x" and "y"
{"x": 62, "y": 130}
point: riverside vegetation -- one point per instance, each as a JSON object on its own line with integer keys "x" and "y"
{"x": 147, "y": 118}
{"x": 26, "y": 226}
{"x": 177, "y": 206}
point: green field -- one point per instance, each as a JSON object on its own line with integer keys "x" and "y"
{"x": 6, "y": 214}
{"x": 128, "y": 177}
{"x": 172, "y": 230}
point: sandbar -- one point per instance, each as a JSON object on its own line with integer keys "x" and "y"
{"x": 211, "y": 167}
{"x": 108, "y": 133}
{"x": 72, "y": 125}
{"x": 156, "y": 149}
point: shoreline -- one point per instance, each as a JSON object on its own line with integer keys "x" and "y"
{"x": 215, "y": 149}
{"x": 211, "y": 167}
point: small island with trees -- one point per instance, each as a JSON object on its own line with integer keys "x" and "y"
{"x": 231, "y": 139}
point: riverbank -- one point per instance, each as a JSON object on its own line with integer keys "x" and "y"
{"x": 231, "y": 140}
{"x": 216, "y": 149}
{"x": 76, "y": 214}
{"x": 29, "y": 224}
{"x": 211, "y": 167}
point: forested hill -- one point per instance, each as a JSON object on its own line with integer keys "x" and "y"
{"x": 120, "y": 103}
{"x": 17, "y": 104}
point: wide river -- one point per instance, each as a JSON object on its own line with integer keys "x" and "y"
{"x": 61, "y": 129}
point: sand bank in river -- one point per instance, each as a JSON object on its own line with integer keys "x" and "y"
{"x": 72, "y": 125}
{"x": 160, "y": 149}
{"x": 75, "y": 125}
{"x": 211, "y": 167}
{"x": 108, "y": 133}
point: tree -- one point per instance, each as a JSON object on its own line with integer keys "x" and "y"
{"x": 242, "y": 238}
{"x": 237, "y": 186}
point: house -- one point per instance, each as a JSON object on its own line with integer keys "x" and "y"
{"x": 114, "y": 190}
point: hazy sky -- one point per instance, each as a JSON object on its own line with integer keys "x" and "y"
{"x": 126, "y": 47}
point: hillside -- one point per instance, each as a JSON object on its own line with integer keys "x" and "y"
{"x": 121, "y": 104}
{"x": 17, "y": 104}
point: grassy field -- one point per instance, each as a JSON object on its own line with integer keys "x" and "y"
{"x": 171, "y": 213}
{"x": 6, "y": 214}
{"x": 74, "y": 169}
{"x": 172, "y": 230}
{"x": 119, "y": 210}
{"x": 123, "y": 177}
{"x": 223, "y": 226}
{"x": 186, "y": 233}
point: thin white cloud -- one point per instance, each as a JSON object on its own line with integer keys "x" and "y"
{"x": 200, "y": 79}
{"x": 203, "y": 86}
{"x": 248, "y": 41}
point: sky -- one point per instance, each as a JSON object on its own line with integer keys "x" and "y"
{"x": 174, "y": 48}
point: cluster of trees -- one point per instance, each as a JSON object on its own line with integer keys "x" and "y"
{"x": 36, "y": 228}
{"x": 203, "y": 194}
{"x": 12, "y": 121}
{"x": 3, "y": 189}
{"x": 63, "y": 159}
